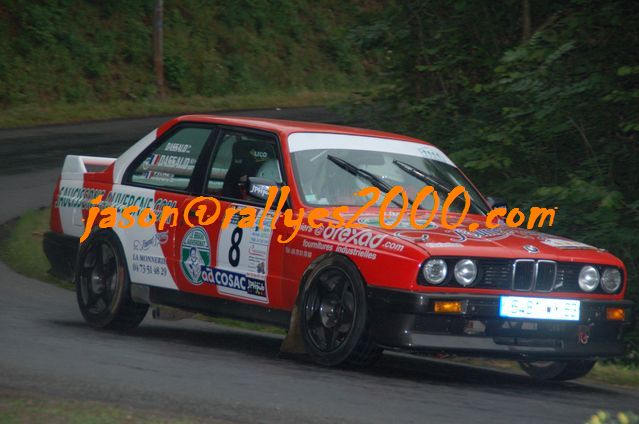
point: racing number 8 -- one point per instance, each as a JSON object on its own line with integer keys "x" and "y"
{"x": 234, "y": 251}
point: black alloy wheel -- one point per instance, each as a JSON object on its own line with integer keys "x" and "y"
{"x": 102, "y": 285}
{"x": 334, "y": 315}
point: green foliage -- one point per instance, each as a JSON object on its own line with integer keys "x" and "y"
{"x": 81, "y": 50}
{"x": 552, "y": 120}
{"x": 603, "y": 417}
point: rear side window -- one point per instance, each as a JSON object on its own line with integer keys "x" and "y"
{"x": 171, "y": 164}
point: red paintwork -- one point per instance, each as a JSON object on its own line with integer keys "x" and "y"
{"x": 397, "y": 257}
{"x": 54, "y": 219}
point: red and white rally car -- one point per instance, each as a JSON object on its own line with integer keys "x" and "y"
{"x": 553, "y": 304}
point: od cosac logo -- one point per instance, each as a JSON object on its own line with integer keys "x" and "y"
{"x": 195, "y": 254}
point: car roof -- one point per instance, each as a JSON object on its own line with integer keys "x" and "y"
{"x": 285, "y": 127}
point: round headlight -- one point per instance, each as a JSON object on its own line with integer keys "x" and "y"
{"x": 465, "y": 272}
{"x": 435, "y": 271}
{"x": 611, "y": 280}
{"x": 588, "y": 278}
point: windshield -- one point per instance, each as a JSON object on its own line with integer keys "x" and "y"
{"x": 322, "y": 181}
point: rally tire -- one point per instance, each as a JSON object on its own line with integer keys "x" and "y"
{"x": 333, "y": 317}
{"x": 366, "y": 353}
{"x": 103, "y": 288}
{"x": 558, "y": 370}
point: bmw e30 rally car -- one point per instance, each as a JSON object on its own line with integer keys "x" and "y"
{"x": 553, "y": 304}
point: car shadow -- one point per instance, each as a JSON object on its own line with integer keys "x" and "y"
{"x": 393, "y": 366}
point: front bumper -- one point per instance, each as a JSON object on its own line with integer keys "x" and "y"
{"x": 406, "y": 320}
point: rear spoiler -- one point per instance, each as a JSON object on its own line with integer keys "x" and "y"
{"x": 75, "y": 166}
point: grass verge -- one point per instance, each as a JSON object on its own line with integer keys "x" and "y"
{"x": 39, "y": 114}
{"x": 21, "y": 246}
{"x": 15, "y": 408}
{"x": 21, "y": 249}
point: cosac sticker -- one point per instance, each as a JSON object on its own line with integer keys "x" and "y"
{"x": 195, "y": 253}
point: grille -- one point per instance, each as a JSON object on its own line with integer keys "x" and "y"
{"x": 568, "y": 277}
{"x": 495, "y": 273}
{"x": 531, "y": 275}
{"x": 546, "y": 276}
{"x": 523, "y": 275}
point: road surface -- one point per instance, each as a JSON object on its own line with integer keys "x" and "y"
{"x": 212, "y": 372}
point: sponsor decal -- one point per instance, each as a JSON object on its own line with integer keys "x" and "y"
{"x": 156, "y": 240}
{"x": 396, "y": 247}
{"x": 260, "y": 156}
{"x": 259, "y": 190}
{"x": 77, "y": 197}
{"x": 443, "y": 245}
{"x": 195, "y": 253}
{"x": 243, "y": 252}
{"x": 149, "y": 265}
{"x": 120, "y": 201}
{"x": 168, "y": 162}
{"x": 434, "y": 154}
{"x": 234, "y": 282}
{"x": 178, "y": 148}
{"x": 565, "y": 244}
{"x": 317, "y": 245}
{"x": 353, "y": 251}
{"x": 358, "y": 237}
{"x": 390, "y": 217}
{"x": 482, "y": 234}
{"x": 297, "y": 252}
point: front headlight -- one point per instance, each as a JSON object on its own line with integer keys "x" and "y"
{"x": 435, "y": 271}
{"x": 465, "y": 272}
{"x": 611, "y": 280}
{"x": 588, "y": 278}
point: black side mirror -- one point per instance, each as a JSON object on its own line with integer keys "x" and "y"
{"x": 258, "y": 188}
{"x": 496, "y": 202}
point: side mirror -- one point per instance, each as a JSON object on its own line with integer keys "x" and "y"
{"x": 496, "y": 202}
{"x": 258, "y": 188}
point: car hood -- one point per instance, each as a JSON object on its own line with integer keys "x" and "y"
{"x": 499, "y": 242}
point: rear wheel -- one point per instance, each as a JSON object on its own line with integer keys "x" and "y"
{"x": 103, "y": 287}
{"x": 334, "y": 315}
{"x": 557, "y": 370}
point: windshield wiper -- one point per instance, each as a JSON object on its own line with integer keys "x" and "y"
{"x": 374, "y": 180}
{"x": 421, "y": 176}
{"x": 427, "y": 179}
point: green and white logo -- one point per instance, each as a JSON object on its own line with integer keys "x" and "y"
{"x": 196, "y": 252}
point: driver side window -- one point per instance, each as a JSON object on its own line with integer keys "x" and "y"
{"x": 237, "y": 157}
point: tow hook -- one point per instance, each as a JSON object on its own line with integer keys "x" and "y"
{"x": 583, "y": 334}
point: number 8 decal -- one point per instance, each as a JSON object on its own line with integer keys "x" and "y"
{"x": 234, "y": 251}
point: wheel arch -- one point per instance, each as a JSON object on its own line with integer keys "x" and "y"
{"x": 293, "y": 343}
{"x": 309, "y": 269}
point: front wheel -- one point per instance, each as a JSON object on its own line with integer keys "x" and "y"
{"x": 334, "y": 315}
{"x": 103, "y": 287}
{"x": 557, "y": 370}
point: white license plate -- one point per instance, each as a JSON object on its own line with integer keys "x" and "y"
{"x": 539, "y": 308}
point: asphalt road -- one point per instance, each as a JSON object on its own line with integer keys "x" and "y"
{"x": 191, "y": 367}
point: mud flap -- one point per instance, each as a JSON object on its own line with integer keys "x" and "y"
{"x": 294, "y": 342}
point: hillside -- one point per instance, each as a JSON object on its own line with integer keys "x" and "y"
{"x": 74, "y": 51}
